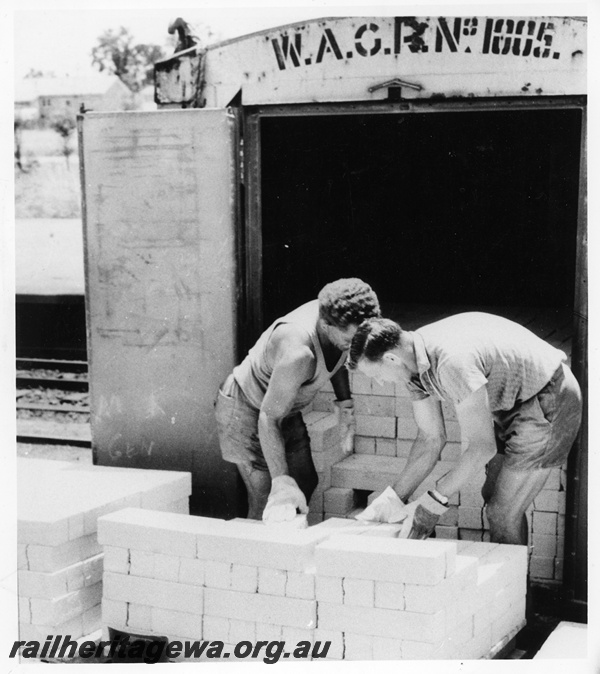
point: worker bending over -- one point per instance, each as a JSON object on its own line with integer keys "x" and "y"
{"x": 517, "y": 403}
{"x": 259, "y": 407}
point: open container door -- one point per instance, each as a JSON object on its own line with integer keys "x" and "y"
{"x": 160, "y": 220}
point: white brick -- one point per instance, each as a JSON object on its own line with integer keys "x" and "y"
{"x": 53, "y": 585}
{"x": 452, "y": 590}
{"x": 382, "y": 622}
{"x": 335, "y": 651}
{"x": 475, "y": 535}
{"x": 166, "y": 567}
{"x": 141, "y": 563}
{"x": 215, "y": 628}
{"x": 191, "y": 571}
{"x": 154, "y": 531}
{"x": 260, "y": 608}
{"x": 545, "y": 523}
{"x": 73, "y": 627}
{"x": 360, "y": 384}
{"x": 24, "y": 610}
{"x": 381, "y": 406}
{"x": 446, "y": 533}
{"x": 114, "y": 612}
{"x": 169, "y": 622}
{"x": 364, "y": 445}
{"x": 471, "y": 498}
{"x": 547, "y": 501}
{"x": 158, "y": 593}
{"x": 418, "y": 650}
{"x": 272, "y": 581}
{"x": 380, "y": 427}
{"x": 92, "y": 619}
{"x": 338, "y": 500}
{"x": 407, "y": 429}
{"x": 543, "y": 545}
{"x": 244, "y": 578}
{"x": 358, "y": 647}
{"x": 242, "y": 630}
{"x": 359, "y": 592}
{"x": 470, "y": 518}
{"x": 139, "y": 617}
{"x": 300, "y": 585}
{"x": 217, "y": 574}
{"x": 450, "y": 517}
{"x": 66, "y": 607}
{"x": 54, "y": 558}
{"x": 385, "y": 446}
{"x": 390, "y": 559}
{"x": 387, "y": 649}
{"x": 329, "y": 589}
{"x": 267, "y": 632}
{"x": 181, "y": 506}
{"x": 294, "y": 635}
{"x": 389, "y": 595}
{"x": 542, "y": 567}
{"x": 116, "y": 559}
{"x": 275, "y": 547}
{"x": 323, "y": 433}
{"x": 22, "y": 562}
{"x": 43, "y": 531}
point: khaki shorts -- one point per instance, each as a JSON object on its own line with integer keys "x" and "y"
{"x": 539, "y": 432}
{"x": 237, "y": 426}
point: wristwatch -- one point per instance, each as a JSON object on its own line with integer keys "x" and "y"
{"x": 440, "y": 498}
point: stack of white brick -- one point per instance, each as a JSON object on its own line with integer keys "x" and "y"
{"x": 60, "y": 562}
{"x": 326, "y": 451}
{"x": 385, "y": 432}
{"x": 371, "y": 596}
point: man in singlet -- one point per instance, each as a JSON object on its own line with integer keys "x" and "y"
{"x": 259, "y": 407}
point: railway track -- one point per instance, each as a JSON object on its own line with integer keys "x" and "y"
{"x": 52, "y": 402}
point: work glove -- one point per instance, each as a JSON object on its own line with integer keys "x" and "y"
{"x": 387, "y": 507}
{"x": 347, "y": 424}
{"x": 284, "y": 500}
{"x": 422, "y": 516}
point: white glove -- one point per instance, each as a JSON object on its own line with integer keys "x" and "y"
{"x": 387, "y": 507}
{"x": 285, "y": 498}
{"x": 347, "y": 424}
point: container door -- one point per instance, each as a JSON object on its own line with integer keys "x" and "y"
{"x": 160, "y": 221}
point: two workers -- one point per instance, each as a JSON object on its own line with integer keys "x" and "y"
{"x": 517, "y": 403}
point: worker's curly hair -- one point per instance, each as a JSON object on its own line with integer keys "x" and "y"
{"x": 347, "y": 301}
{"x": 372, "y": 339}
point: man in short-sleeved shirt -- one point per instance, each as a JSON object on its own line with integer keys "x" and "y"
{"x": 517, "y": 403}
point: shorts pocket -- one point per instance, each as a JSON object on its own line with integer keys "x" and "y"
{"x": 224, "y": 408}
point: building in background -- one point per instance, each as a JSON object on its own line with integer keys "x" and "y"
{"x": 42, "y": 98}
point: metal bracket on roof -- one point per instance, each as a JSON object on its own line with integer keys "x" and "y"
{"x": 396, "y": 83}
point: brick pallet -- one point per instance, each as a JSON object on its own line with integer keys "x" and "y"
{"x": 372, "y": 595}
{"x": 60, "y": 562}
{"x": 385, "y": 432}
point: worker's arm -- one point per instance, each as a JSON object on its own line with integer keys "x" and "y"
{"x": 344, "y": 409}
{"x": 426, "y": 449}
{"x": 478, "y": 441}
{"x": 341, "y": 384}
{"x": 293, "y": 363}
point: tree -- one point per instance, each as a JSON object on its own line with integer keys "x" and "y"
{"x": 117, "y": 54}
{"x": 64, "y": 125}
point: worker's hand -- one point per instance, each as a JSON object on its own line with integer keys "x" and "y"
{"x": 347, "y": 424}
{"x": 284, "y": 500}
{"x": 387, "y": 507}
{"x": 423, "y": 515}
